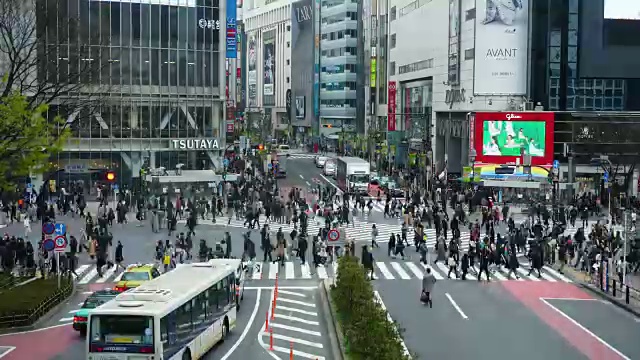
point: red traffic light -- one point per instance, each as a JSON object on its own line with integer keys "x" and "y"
{"x": 260, "y": 147}
{"x": 111, "y": 176}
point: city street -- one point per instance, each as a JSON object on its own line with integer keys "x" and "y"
{"x": 509, "y": 320}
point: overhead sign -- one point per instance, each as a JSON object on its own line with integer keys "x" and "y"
{"x": 232, "y": 29}
{"x": 48, "y": 228}
{"x": 61, "y": 229}
{"x": 195, "y": 144}
{"x": 501, "y": 48}
{"x": 556, "y": 164}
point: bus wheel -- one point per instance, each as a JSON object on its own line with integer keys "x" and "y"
{"x": 186, "y": 355}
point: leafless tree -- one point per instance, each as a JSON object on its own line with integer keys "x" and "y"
{"x": 32, "y": 66}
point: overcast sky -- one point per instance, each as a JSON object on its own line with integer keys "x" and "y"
{"x": 622, "y": 9}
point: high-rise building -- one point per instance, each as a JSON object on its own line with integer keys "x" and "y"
{"x": 342, "y": 72}
{"x": 154, "y": 73}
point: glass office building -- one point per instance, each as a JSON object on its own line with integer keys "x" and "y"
{"x": 149, "y": 75}
{"x": 341, "y": 65}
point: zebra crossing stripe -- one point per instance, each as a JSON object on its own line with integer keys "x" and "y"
{"x": 88, "y": 277}
{"x": 306, "y": 274}
{"x": 497, "y": 274}
{"x": 557, "y": 274}
{"x": 414, "y": 269}
{"x": 322, "y": 272}
{"x": 385, "y": 271}
{"x": 106, "y": 275}
{"x": 435, "y": 273}
{"x": 525, "y": 274}
{"x": 273, "y": 271}
{"x": 289, "y": 271}
{"x": 82, "y": 268}
{"x": 398, "y": 268}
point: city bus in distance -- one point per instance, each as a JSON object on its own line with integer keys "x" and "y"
{"x": 179, "y": 315}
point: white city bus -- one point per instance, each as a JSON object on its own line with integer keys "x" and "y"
{"x": 179, "y": 315}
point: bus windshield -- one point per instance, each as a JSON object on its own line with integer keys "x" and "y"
{"x": 121, "y": 333}
{"x": 359, "y": 178}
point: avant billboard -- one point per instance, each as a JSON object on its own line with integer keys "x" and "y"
{"x": 501, "y": 47}
{"x": 252, "y": 72}
{"x": 501, "y": 137}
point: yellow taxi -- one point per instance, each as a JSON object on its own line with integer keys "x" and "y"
{"x": 135, "y": 275}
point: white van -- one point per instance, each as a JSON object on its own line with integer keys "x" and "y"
{"x": 283, "y": 149}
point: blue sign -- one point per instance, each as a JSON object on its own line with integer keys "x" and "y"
{"x": 48, "y": 228}
{"x": 115, "y": 187}
{"x": 225, "y": 162}
{"x": 232, "y": 30}
{"x": 556, "y": 164}
{"x": 48, "y": 245}
{"x": 29, "y": 186}
{"x": 605, "y": 176}
{"x": 61, "y": 229}
{"x": 269, "y": 166}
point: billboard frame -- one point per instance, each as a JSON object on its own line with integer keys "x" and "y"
{"x": 548, "y": 117}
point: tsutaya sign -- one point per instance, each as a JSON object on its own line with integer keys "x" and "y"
{"x": 195, "y": 144}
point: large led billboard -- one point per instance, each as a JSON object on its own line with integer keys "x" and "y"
{"x": 503, "y": 137}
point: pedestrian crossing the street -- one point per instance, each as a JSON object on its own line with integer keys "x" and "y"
{"x": 394, "y": 270}
{"x": 358, "y": 231}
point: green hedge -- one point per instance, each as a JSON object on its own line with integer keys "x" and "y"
{"x": 368, "y": 333}
{"x": 23, "y": 305}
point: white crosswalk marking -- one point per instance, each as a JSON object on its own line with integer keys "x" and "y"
{"x": 306, "y": 274}
{"x": 498, "y": 275}
{"x": 289, "y": 271}
{"x": 106, "y": 275}
{"x": 322, "y": 272}
{"x": 384, "y": 270}
{"x": 88, "y": 277}
{"x": 398, "y": 268}
{"x": 435, "y": 273}
{"x": 273, "y": 270}
{"x": 414, "y": 269}
{"x": 557, "y": 274}
{"x": 257, "y": 271}
{"x": 524, "y": 274}
{"x": 82, "y": 268}
{"x": 440, "y": 265}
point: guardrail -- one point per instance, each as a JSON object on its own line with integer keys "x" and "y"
{"x": 30, "y": 316}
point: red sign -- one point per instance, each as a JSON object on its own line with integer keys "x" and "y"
{"x": 230, "y": 127}
{"x": 496, "y": 133}
{"x": 231, "y": 113}
{"x": 333, "y": 235}
{"x": 391, "y": 107}
{"x": 472, "y": 132}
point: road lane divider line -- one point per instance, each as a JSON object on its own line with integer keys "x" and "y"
{"x": 252, "y": 318}
{"x": 68, "y": 319}
{"x": 87, "y": 292}
{"x": 261, "y": 333}
{"x": 295, "y": 329}
{"x": 297, "y": 302}
{"x": 296, "y": 353}
{"x": 310, "y": 313}
{"x": 455, "y": 306}
{"x": 299, "y": 341}
{"x": 287, "y": 292}
{"x": 398, "y": 268}
{"x": 10, "y": 349}
{"x": 378, "y": 299}
{"x": 308, "y": 183}
{"x": 339, "y": 191}
{"x": 297, "y": 319}
{"x": 589, "y": 332}
{"x": 280, "y": 287}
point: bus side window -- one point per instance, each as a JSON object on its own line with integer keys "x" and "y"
{"x": 164, "y": 332}
{"x": 223, "y": 293}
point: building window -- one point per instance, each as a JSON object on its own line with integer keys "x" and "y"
{"x": 469, "y": 54}
{"x": 393, "y": 13}
{"x": 288, "y": 27}
{"x": 288, "y": 79}
{"x": 470, "y": 14}
{"x": 288, "y": 44}
{"x": 392, "y": 68}
{"x": 288, "y": 61}
{"x": 416, "y": 66}
{"x": 393, "y": 41}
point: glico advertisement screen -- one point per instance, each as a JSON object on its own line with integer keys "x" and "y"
{"x": 502, "y": 137}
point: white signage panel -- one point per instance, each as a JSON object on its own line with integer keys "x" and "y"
{"x": 501, "y": 48}
{"x": 187, "y": 3}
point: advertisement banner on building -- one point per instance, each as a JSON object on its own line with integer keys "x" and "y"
{"x": 252, "y": 72}
{"x": 372, "y": 72}
{"x": 501, "y": 47}
{"x": 300, "y": 107}
{"x": 506, "y": 137}
{"x": 391, "y": 107}
{"x": 269, "y": 66}
{"x": 232, "y": 41}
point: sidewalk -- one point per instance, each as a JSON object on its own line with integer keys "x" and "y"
{"x": 582, "y": 279}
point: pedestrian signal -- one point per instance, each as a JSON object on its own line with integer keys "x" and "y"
{"x": 110, "y": 176}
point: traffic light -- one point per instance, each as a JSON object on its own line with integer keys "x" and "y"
{"x": 110, "y": 176}
{"x": 260, "y": 147}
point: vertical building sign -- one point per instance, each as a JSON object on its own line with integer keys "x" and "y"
{"x": 454, "y": 42}
{"x": 269, "y": 67}
{"x": 391, "y": 108}
{"x": 252, "y": 71}
{"x": 471, "y": 118}
{"x": 316, "y": 64}
{"x": 501, "y": 48}
{"x": 232, "y": 43}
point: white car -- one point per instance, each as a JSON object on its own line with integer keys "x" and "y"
{"x": 329, "y": 168}
{"x": 320, "y": 161}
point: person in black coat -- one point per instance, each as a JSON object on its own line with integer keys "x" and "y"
{"x": 367, "y": 261}
{"x": 302, "y": 249}
{"x": 512, "y": 263}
